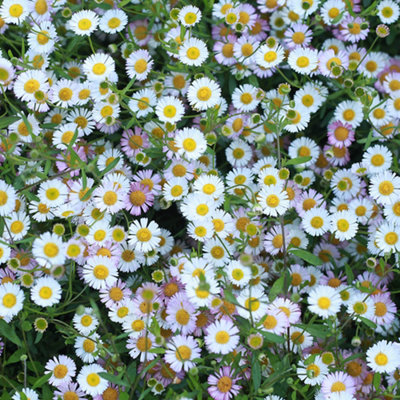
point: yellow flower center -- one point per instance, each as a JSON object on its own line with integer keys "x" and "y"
{"x": 45, "y": 292}
{"x": 324, "y": 303}
{"x": 189, "y": 144}
{"x": 100, "y": 272}
{"x": 317, "y": 222}
{"x": 43, "y": 37}
{"x": 144, "y": 235}
{"x": 16, "y": 10}
{"x": 170, "y": 111}
{"x": 193, "y": 53}
{"x": 31, "y": 86}
{"x": 246, "y": 98}
{"x": 182, "y": 317}
{"x": 84, "y": 24}
{"x": 204, "y": 93}
{"x": 99, "y": 69}
{"x": 93, "y": 379}
{"x": 303, "y": 62}
{"x": 386, "y": 188}
{"x": 60, "y": 371}
{"x": 391, "y": 238}
{"x": 50, "y": 250}
{"x": 343, "y": 225}
{"x": 114, "y": 23}
{"x": 222, "y": 337}
{"x": 183, "y": 353}
{"x": 9, "y": 300}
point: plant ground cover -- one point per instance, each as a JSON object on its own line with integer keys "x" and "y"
{"x": 199, "y": 200}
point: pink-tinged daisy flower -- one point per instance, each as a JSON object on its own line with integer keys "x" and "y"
{"x": 114, "y": 293}
{"x": 259, "y": 29}
{"x": 181, "y": 314}
{"x": 70, "y": 390}
{"x": 132, "y": 142}
{"x": 297, "y": 35}
{"x": 385, "y": 309}
{"x": 244, "y": 49}
{"x": 308, "y": 200}
{"x": 222, "y": 336}
{"x": 275, "y": 239}
{"x": 140, "y": 32}
{"x": 181, "y": 350}
{"x": 223, "y": 384}
{"x": 149, "y": 178}
{"x": 352, "y": 30}
{"x": 328, "y": 58}
{"x": 290, "y": 309}
{"x": 63, "y": 369}
{"x": 337, "y": 156}
{"x": 139, "y": 346}
{"x": 139, "y": 199}
{"x": 336, "y": 384}
{"x": 340, "y": 134}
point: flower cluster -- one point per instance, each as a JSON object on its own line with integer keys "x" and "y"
{"x": 199, "y": 200}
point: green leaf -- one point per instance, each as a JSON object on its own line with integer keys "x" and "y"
{"x": 367, "y": 322}
{"x": 157, "y": 350}
{"x": 5, "y": 122}
{"x": 42, "y": 380}
{"x": 256, "y": 372}
{"x": 349, "y": 273}
{"x": 319, "y": 331}
{"x": 376, "y": 381}
{"x": 114, "y": 379}
{"x": 306, "y": 256}
{"x": 297, "y": 160}
{"x": 15, "y": 357}
{"x": 230, "y": 296}
{"x": 271, "y": 337}
{"x": 8, "y": 332}
{"x": 276, "y": 288}
{"x": 110, "y": 166}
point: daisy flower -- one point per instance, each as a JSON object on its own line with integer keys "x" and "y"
{"x": 86, "y": 322}
{"x": 313, "y": 373}
{"x": 253, "y": 302}
{"x": 83, "y": 23}
{"x": 340, "y": 134}
{"x": 144, "y": 235}
{"x": 309, "y": 97}
{"x": 14, "y": 11}
{"x": 360, "y": 305}
{"x": 303, "y": 60}
{"x": 203, "y": 93}
{"x": 324, "y": 301}
{"x": 349, "y": 112}
{"x": 30, "y": 82}
{"x": 344, "y": 225}
{"x": 98, "y": 67}
{"x": 189, "y": 16}
{"x": 238, "y": 274}
{"x": 64, "y": 93}
{"x": 7, "y": 72}
{"x": 190, "y": 142}
{"x": 244, "y": 98}
{"x": 385, "y": 309}
{"x": 316, "y": 221}
{"x": 113, "y": 21}
{"x": 181, "y": 314}
{"x": 140, "y": 344}
{"x": 387, "y": 237}
{"x": 42, "y": 38}
{"x": 63, "y": 369}
{"x": 139, "y": 65}
{"x": 333, "y": 11}
{"x": 304, "y": 147}
{"x": 244, "y": 49}
{"x": 143, "y": 102}
{"x": 222, "y": 337}
{"x": 222, "y": 385}
{"x": 385, "y": 187}
{"x": 181, "y": 350}
{"x": 28, "y": 394}
{"x": 200, "y": 229}
{"x": 11, "y": 299}
{"x": 170, "y": 109}
{"x": 99, "y": 272}
{"x": 238, "y": 153}
{"x": 388, "y": 11}
{"x": 90, "y": 381}
{"x": 175, "y": 189}
{"x": 273, "y": 200}
{"x": 49, "y": 250}
{"x": 8, "y": 196}
{"x": 352, "y": 30}
{"x": 269, "y": 57}
{"x": 139, "y": 199}
{"x": 193, "y": 52}
{"x": 109, "y": 198}
{"x": 392, "y": 213}
{"x": 46, "y": 292}
{"x": 383, "y": 357}
{"x": 377, "y": 159}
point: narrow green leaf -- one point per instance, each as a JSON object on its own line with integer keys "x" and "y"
{"x": 306, "y": 256}
{"x": 377, "y": 380}
{"x": 42, "y": 380}
{"x": 368, "y": 322}
{"x": 271, "y": 337}
{"x": 276, "y": 288}
{"x": 297, "y": 160}
{"x": 349, "y": 273}
{"x": 8, "y": 332}
{"x": 114, "y": 379}
{"x": 256, "y": 372}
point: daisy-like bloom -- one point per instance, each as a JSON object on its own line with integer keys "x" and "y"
{"x": 269, "y": 57}
{"x": 86, "y": 322}
{"x": 191, "y": 143}
{"x": 198, "y": 206}
{"x": 69, "y": 389}
{"x": 189, "y": 16}
{"x": 316, "y": 221}
{"x": 385, "y": 309}
{"x": 222, "y": 336}
{"x": 7, "y": 72}
{"x": 349, "y": 112}
{"x": 181, "y": 314}
{"x": 144, "y": 236}
{"x": 222, "y": 385}
{"x": 49, "y": 250}
{"x": 329, "y": 58}
{"x": 63, "y": 137}
{"x": 313, "y": 373}
{"x": 340, "y": 134}
{"x": 8, "y": 196}
{"x": 244, "y": 49}
{"x": 273, "y": 200}
{"x": 83, "y": 23}
{"x": 46, "y": 292}
{"x": 387, "y": 237}
{"x": 18, "y": 225}
{"x": 383, "y": 357}
{"x": 392, "y": 213}
{"x": 29, "y": 394}
{"x": 193, "y": 52}
{"x": 98, "y": 67}
{"x": 99, "y": 272}
{"x": 143, "y": 102}
{"x": 63, "y": 369}
{"x": 200, "y": 229}
{"x": 170, "y": 109}
{"x": 210, "y": 185}
{"x": 11, "y": 299}
{"x": 385, "y": 187}
{"x": 324, "y": 301}
{"x": 181, "y": 350}
{"x": 64, "y": 93}
{"x": 140, "y": 343}
{"x": 42, "y": 37}
{"x": 139, "y": 199}
{"x": 360, "y": 305}
{"x": 139, "y": 64}
{"x": 332, "y": 11}
{"x": 109, "y": 197}
{"x": 238, "y": 274}
{"x": 388, "y": 11}
{"x": 377, "y": 159}
{"x": 304, "y": 147}
{"x": 223, "y": 50}
{"x": 175, "y": 189}
{"x": 391, "y": 82}
{"x": 204, "y": 93}
{"x": 338, "y": 385}
{"x": 309, "y": 97}
{"x": 352, "y": 29}
{"x": 238, "y": 153}
{"x": 344, "y": 225}
{"x": 244, "y": 98}
{"x": 53, "y": 192}
{"x": 113, "y": 21}
{"x": 14, "y": 11}
{"x": 90, "y": 381}
{"x": 28, "y": 83}
{"x": 303, "y": 60}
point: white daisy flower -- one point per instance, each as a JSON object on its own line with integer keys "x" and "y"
{"x": 11, "y": 299}
{"x": 349, "y": 111}
{"x": 14, "y": 11}
{"x": 100, "y": 272}
{"x": 324, "y": 301}
{"x": 190, "y": 143}
{"x": 222, "y": 337}
{"x": 388, "y": 11}
{"x": 387, "y": 237}
{"x": 377, "y": 159}
{"x": 383, "y": 356}
{"x": 204, "y": 93}
{"x": 49, "y": 250}
{"x": 98, "y": 67}
{"x": 193, "y": 52}
{"x": 385, "y": 187}
{"x": 143, "y": 102}
{"x": 8, "y": 196}
{"x": 344, "y": 225}
{"x": 269, "y": 57}
{"x": 303, "y": 60}
{"x": 181, "y": 350}
{"x": 113, "y": 21}
{"x": 29, "y": 82}
{"x": 86, "y": 322}
{"x": 316, "y": 221}
{"x": 170, "y": 109}
{"x": 84, "y": 22}
{"x": 304, "y": 147}
{"x": 144, "y": 236}
{"x": 238, "y": 274}
{"x": 244, "y": 98}
{"x": 53, "y": 192}
{"x": 46, "y": 292}
{"x": 189, "y": 16}
{"x": 138, "y": 64}
{"x": 90, "y": 381}
{"x": 63, "y": 369}
{"x": 273, "y": 200}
